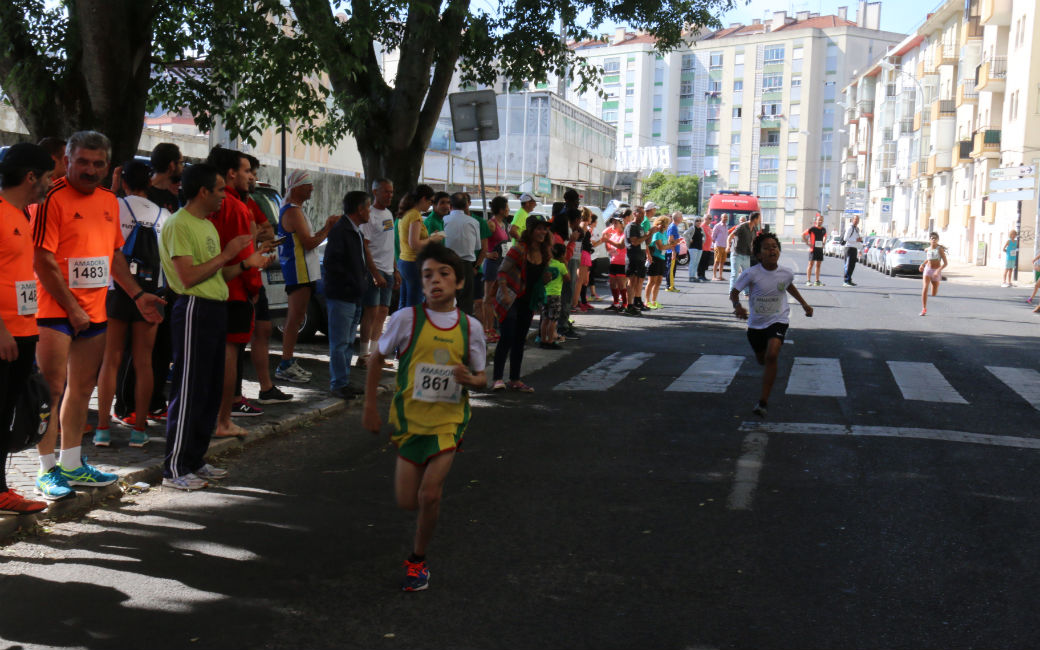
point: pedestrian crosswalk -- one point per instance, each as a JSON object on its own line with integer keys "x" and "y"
{"x": 809, "y": 376}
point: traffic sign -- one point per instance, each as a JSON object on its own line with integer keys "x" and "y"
{"x": 851, "y": 211}
{"x": 1022, "y": 183}
{"x": 1013, "y": 172}
{"x": 1021, "y": 195}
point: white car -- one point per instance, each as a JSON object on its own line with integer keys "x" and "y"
{"x": 905, "y": 256}
{"x": 832, "y": 248}
{"x": 876, "y": 256}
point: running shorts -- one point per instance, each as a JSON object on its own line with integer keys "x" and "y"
{"x": 759, "y": 338}
{"x": 418, "y": 449}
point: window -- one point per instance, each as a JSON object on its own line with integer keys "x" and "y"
{"x": 612, "y": 65}
{"x": 714, "y": 86}
{"x": 688, "y": 62}
{"x": 716, "y": 59}
{"x": 613, "y": 91}
{"x": 738, "y": 85}
{"x": 684, "y": 151}
{"x": 792, "y": 148}
{"x": 828, "y": 117}
{"x": 656, "y": 126}
{"x": 711, "y": 137}
{"x": 792, "y": 191}
{"x": 659, "y": 74}
{"x": 771, "y": 139}
{"x": 770, "y": 109}
{"x": 658, "y": 101}
{"x": 610, "y": 116}
{"x": 770, "y": 164}
{"x": 796, "y": 82}
{"x": 734, "y": 165}
{"x": 631, "y": 64}
{"x": 734, "y": 140}
{"x": 714, "y": 111}
{"x": 738, "y": 59}
{"x": 797, "y": 54}
{"x": 629, "y": 92}
{"x": 685, "y": 89}
{"x": 767, "y": 190}
{"x": 774, "y": 54}
{"x": 772, "y": 82}
{"x": 827, "y": 145}
{"x": 828, "y": 91}
{"x": 686, "y": 115}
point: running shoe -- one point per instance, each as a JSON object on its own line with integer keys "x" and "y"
{"x": 102, "y": 438}
{"x": 550, "y": 346}
{"x": 673, "y": 290}
{"x": 273, "y": 395}
{"x": 596, "y": 298}
{"x": 157, "y": 415}
{"x": 924, "y": 312}
{"x": 498, "y": 385}
{"x": 1029, "y": 301}
{"x": 209, "y": 473}
{"x": 139, "y": 438}
{"x": 242, "y": 408}
{"x": 820, "y": 284}
{"x": 188, "y": 482}
{"x": 614, "y": 307}
{"x": 51, "y": 485}
{"x": 848, "y": 284}
{"x": 292, "y": 372}
{"x": 760, "y": 409}
{"x": 521, "y": 386}
{"x": 12, "y": 503}
{"x": 654, "y": 305}
{"x": 1004, "y": 285}
{"x": 129, "y": 420}
{"x": 87, "y": 475}
{"x": 418, "y": 576}
{"x": 632, "y": 310}
{"x": 808, "y": 284}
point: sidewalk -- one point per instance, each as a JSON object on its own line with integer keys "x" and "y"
{"x": 133, "y": 465}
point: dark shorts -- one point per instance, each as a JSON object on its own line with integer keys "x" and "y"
{"x": 491, "y": 269}
{"x": 478, "y": 283}
{"x": 119, "y": 306}
{"x": 65, "y": 327}
{"x": 816, "y": 255}
{"x": 239, "y": 321}
{"x": 262, "y": 309}
{"x": 759, "y": 339}
{"x": 379, "y": 296}
{"x": 656, "y": 267}
{"x": 552, "y": 307}
{"x": 289, "y": 288}
{"x": 636, "y": 266}
{"x": 616, "y": 269}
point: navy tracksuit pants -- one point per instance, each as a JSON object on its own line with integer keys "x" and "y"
{"x": 199, "y": 328}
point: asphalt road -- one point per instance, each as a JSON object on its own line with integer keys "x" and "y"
{"x": 607, "y": 511}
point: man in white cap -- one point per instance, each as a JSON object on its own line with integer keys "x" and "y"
{"x": 519, "y": 223}
{"x": 301, "y": 266}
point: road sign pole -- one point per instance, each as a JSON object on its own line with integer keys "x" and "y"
{"x": 480, "y": 166}
{"x": 1018, "y": 249}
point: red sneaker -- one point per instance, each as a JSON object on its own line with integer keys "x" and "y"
{"x": 12, "y": 503}
{"x": 130, "y": 421}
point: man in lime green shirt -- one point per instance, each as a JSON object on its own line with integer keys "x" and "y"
{"x": 519, "y": 223}
{"x": 441, "y": 206}
{"x": 194, "y": 265}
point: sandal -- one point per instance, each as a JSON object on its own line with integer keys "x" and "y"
{"x": 521, "y": 386}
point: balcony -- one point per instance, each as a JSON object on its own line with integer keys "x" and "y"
{"x": 943, "y": 108}
{"x": 865, "y": 107}
{"x": 850, "y": 115}
{"x": 947, "y": 54}
{"x": 922, "y": 118}
{"x": 906, "y": 125}
{"x": 996, "y": 12}
{"x": 966, "y": 92}
{"x": 991, "y": 74}
{"x": 971, "y": 30}
{"x": 885, "y": 177}
{"x": 962, "y": 151}
{"x": 987, "y": 144}
{"x": 939, "y": 162}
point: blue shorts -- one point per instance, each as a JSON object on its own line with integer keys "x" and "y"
{"x": 65, "y": 327}
{"x": 376, "y": 296}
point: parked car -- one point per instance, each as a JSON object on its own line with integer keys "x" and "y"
{"x": 868, "y": 243}
{"x": 876, "y": 259}
{"x": 317, "y": 318}
{"x": 833, "y": 248}
{"x": 905, "y": 256}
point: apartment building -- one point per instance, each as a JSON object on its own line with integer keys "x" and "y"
{"x": 948, "y": 109}
{"x": 749, "y": 107}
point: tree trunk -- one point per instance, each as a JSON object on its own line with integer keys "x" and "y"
{"x": 108, "y": 73}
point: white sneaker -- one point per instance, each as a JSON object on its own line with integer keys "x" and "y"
{"x": 208, "y": 472}
{"x": 188, "y": 482}
{"x": 292, "y": 373}
{"x": 1004, "y": 285}
{"x": 301, "y": 369}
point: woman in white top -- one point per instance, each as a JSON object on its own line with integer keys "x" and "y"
{"x": 934, "y": 263}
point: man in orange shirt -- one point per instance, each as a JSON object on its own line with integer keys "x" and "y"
{"x": 78, "y": 249}
{"x": 25, "y": 176}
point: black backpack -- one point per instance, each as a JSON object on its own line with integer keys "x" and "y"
{"x": 32, "y": 412}
{"x": 142, "y": 251}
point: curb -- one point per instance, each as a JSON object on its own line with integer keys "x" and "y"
{"x": 86, "y": 500}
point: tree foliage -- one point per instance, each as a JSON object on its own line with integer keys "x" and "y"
{"x": 672, "y": 192}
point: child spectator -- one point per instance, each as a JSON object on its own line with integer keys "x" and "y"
{"x": 442, "y": 353}
{"x": 553, "y": 297}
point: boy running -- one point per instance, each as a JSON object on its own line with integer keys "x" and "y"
{"x": 769, "y": 285}
{"x": 441, "y": 352}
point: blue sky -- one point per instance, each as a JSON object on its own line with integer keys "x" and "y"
{"x": 896, "y": 15}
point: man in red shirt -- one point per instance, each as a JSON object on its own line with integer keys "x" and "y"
{"x": 231, "y": 220}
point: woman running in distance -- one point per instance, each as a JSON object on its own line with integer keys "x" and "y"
{"x": 934, "y": 263}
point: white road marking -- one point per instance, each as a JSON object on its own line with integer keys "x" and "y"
{"x": 923, "y": 381}
{"x": 712, "y": 373}
{"x": 606, "y": 373}
{"x": 944, "y": 435}
{"x": 1024, "y": 381}
{"x": 749, "y": 465}
{"x": 816, "y": 376}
